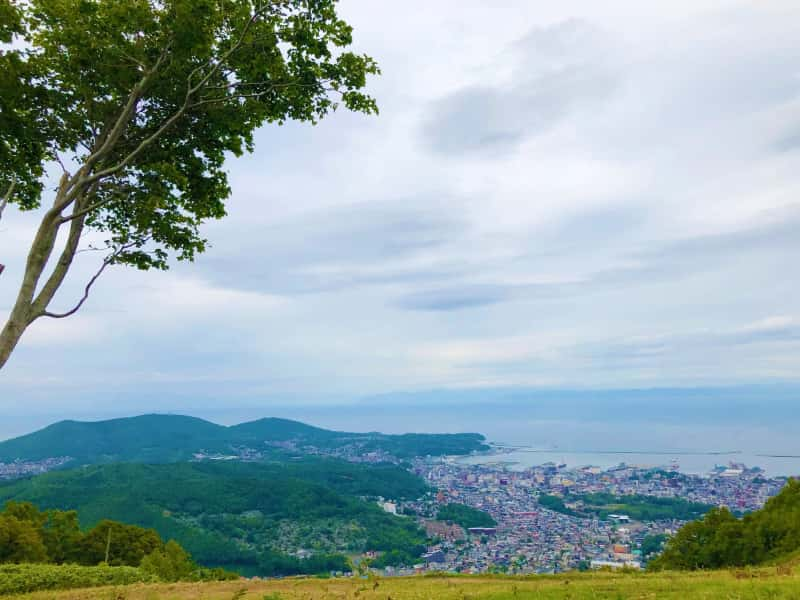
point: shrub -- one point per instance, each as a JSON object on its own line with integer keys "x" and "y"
{"x": 24, "y": 578}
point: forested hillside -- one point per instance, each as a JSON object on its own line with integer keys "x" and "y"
{"x": 465, "y": 516}
{"x": 174, "y": 438}
{"x": 242, "y": 515}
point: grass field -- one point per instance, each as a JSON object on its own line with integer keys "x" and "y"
{"x": 743, "y": 584}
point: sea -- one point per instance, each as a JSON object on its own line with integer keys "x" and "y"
{"x": 646, "y": 428}
{"x": 696, "y": 429}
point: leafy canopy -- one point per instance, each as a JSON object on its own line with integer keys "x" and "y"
{"x": 720, "y": 539}
{"x": 466, "y": 516}
{"x": 28, "y": 535}
{"x": 149, "y": 97}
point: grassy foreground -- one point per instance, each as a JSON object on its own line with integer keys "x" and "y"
{"x": 742, "y": 584}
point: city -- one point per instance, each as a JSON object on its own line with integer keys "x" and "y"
{"x": 23, "y": 468}
{"x": 548, "y": 518}
{"x": 530, "y": 538}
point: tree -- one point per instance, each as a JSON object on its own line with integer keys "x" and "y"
{"x": 697, "y": 544}
{"x": 20, "y": 541}
{"x": 25, "y": 511}
{"x": 172, "y": 563}
{"x": 140, "y": 102}
{"x": 30, "y": 535}
{"x": 62, "y": 536}
{"x": 123, "y": 544}
{"x": 719, "y": 539}
{"x": 54, "y": 536}
{"x": 653, "y": 544}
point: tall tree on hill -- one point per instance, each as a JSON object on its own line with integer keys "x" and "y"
{"x": 140, "y": 102}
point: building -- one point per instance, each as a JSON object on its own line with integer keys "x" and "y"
{"x": 482, "y": 530}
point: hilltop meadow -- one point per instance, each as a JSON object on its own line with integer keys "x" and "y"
{"x": 740, "y": 584}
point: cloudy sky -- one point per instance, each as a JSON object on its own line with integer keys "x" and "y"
{"x": 577, "y": 194}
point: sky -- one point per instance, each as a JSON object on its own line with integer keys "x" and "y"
{"x": 581, "y": 195}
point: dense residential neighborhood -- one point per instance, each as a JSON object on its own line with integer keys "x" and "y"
{"x": 23, "y": 468}
{"x": 530, "y": 538}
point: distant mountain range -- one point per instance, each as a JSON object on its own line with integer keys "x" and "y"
{"x": 173, "y": 438}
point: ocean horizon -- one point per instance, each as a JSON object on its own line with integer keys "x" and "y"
{"x": 697, "y": 428}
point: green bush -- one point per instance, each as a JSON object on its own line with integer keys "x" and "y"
{"x": 172, "y": 563}
{"x": 24, "y": 578}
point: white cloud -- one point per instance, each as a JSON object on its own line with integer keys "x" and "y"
{"x": 631, "y": 219}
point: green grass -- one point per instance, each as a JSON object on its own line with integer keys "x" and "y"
{"x": 741, "y": 584}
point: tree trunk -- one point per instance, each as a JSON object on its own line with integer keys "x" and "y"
{"x": 11, "y": 333}
{"x": 22, "y": 315}
{"x": 29, "y": 305}
{"x": 9, "y": 337}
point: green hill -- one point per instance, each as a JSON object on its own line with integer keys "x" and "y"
{"x": 246, "y": 516}
{"x": 280, "y": 430}
{"x": 174, "y": 438}
{"x": 159, "y": 438}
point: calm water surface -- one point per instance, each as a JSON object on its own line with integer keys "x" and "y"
{"x": 697, "y": 428}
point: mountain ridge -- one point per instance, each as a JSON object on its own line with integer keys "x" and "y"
{"x": 158, "y": 437}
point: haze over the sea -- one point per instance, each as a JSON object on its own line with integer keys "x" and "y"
{"x": 697, "y": 427}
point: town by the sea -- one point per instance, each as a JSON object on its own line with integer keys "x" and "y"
{"x": 565, "y": 483}
{"x": 560, "y": 466}
{"x": 693, "y": 429}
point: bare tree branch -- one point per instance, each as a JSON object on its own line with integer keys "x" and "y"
{"x": 243, "y": 95}
{"x": 108, "y": 260}
{"x": 236, "y": 84}
{"x": 86, "y": 290}
{"x": 60, "y": 162}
